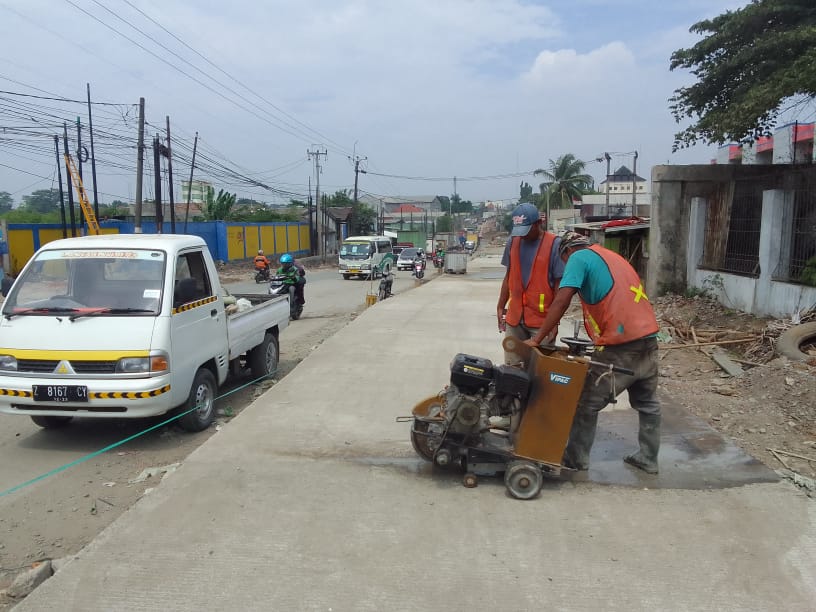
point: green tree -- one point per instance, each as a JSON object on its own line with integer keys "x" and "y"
{"x": 218, "y": 208}
{"x": 525, "y": 192}
{"x": 749, "y": 63}
{"x": 6, "y": 202}
{"x": 444, "y": 223}
{"x": 566, "y": 182}
{"x": 42, "y": 201}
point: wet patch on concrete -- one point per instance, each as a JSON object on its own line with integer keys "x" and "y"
{"x": 692, "y": 456}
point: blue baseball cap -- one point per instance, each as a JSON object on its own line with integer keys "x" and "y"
{"x": 524, "y": 217}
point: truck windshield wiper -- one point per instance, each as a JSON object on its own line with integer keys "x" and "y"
{"x": 99, "y": 311}
{"x": 39, "y": 310}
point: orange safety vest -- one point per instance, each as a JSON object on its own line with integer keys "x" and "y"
{"x": 261, "y": 262}
{"x": 625, "y": 313}
{"x": 531, "y": 302}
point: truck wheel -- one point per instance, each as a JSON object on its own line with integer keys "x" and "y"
{"x": 263, "y": 359}
{"x": 202, "y": 398}
{"x": 51, "y": 422}
{"x": 790, "y": 343}
{"x": 346, "y": 276}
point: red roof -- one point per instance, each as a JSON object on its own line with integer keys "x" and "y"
{"x": 409, "y": 208}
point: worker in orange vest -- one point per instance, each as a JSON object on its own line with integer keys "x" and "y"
{"x": 621, "y": 323}
{"x": 533, "y": 272}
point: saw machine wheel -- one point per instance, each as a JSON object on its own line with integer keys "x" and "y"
{"x": 523, "y": 479}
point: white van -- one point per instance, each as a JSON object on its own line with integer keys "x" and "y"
{"x": 366, "y": 256}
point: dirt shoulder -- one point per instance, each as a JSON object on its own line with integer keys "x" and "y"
{"x": 771, "y": 405}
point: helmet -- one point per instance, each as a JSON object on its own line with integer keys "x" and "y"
{"x": 286, "y": 258}
{"x": 260, "y": 251}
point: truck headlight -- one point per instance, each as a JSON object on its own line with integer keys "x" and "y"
{"x": 365, "y": 266}
{"x": 8, "y": 363}
{"x": 143, "y": 365}
{"x": 343, "y": 267}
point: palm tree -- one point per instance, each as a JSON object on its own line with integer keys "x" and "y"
{"x": 565, "y": 182}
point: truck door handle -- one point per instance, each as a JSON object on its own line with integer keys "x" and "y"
{"x": 214, "y": 313}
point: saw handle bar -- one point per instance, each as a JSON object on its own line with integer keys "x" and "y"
{"x": 611, "y": 368}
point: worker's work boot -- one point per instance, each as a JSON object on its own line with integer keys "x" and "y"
{"x": 649, "y": 440}
{"x": 582, "y": 435}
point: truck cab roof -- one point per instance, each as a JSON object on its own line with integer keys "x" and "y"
{"x": 164, "y": 242}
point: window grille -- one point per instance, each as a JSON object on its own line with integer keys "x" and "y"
{"x": 733, "y": 227}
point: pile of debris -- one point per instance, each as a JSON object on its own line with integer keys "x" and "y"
{"x": 763, "y": 348}
{"x": 702, "y": 322}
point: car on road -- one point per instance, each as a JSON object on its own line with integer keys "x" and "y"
{"x": 406, "y": 258}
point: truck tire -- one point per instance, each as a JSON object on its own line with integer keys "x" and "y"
{"x": 789, "y": 343}
{"x": 202, "y": 395}
{"x": 51, "y": 422}
{"x": 263, "y": 359}
{"x": 346, "y": 276}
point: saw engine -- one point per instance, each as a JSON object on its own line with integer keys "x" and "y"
{"x": 482, "y": 406}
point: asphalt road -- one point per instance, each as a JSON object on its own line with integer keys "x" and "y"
{"x": 58, "y": 515}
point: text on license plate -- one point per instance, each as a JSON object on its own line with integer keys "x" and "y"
{"x": 60, "y": 393}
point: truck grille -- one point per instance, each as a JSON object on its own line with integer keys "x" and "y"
{"x": 47, "y": 366}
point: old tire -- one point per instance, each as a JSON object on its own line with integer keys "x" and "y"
{"x": 51, "y": 422}
{"x": 199, "y": 408}
{"x": 263, "y": 359}
{"x": 790, "y": 343}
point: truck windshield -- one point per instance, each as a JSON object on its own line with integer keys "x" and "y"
{"x": 125, "y": 282}
{"x": 355, "y": 250}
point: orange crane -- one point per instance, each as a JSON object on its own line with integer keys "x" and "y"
{"x": 87, "y": 209}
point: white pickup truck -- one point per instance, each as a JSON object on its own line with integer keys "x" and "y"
{"x": 127, "y": 326}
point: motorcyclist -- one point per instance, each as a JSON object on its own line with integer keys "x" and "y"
{"x": 295, "y": 275}
{"x": 439, "y": 257}
{"x": 261, "y": 262}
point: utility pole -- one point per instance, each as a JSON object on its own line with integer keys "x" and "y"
{"x": 357, "y": 159}
{"x": 79, "y": 148}
{"x": 606, "y": 208}
{"x": 68, "y": 175}
{"x": 634, "y": 185}
{"x": 139, "y": 168}
{"x": 357, "y": 171}
{"x": 312, "y": 241}
{"x": 62, "y": 194}
{"x": 157, "y": 183}
{"x": 170, "y": 181}
{"x": 190, "y": 185}
{"x": 93, "y": 157}
{"x": 320, "y": 210}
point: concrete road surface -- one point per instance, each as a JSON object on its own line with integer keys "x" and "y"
{"x": 313, "y": 499}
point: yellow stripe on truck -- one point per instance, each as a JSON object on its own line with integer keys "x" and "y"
{"x": 99, "y": 395}
{"x": 196, "y": 304}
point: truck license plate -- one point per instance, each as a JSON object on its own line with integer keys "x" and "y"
{"x": 354, "y": 271}
{"x": 60, "y": 393}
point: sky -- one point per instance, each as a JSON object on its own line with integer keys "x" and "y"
{"x": 422, "y": 91}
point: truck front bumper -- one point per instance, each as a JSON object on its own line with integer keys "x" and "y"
{"x": 127, "y": 398}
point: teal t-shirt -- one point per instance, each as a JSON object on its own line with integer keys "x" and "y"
{"x": 587, "y": 272}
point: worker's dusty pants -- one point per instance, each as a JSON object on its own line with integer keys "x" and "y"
{"x": 600, "y": 387}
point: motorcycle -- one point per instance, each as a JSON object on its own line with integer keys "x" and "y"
{"x": 280, "y": 284}
{"x": 438, "y": 261}
{"x": 261, "y": 275}
{"x": 386, "y": 283}
{"x": 419, "y": 268}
